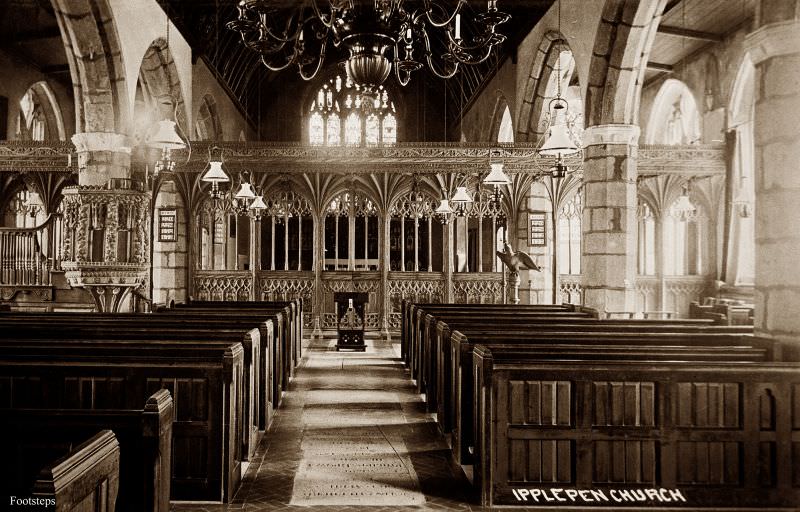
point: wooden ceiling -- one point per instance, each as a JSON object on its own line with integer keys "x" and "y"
{"x": 202, "y": 23}
{"x": 689, "y": 26}
{"x": 29, "y": 31}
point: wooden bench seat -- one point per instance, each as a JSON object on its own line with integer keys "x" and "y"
{"x": 270, "y": 377}
{"x": 715, "y": 434}
{"x": 144, "y": 455}
{"x": 204, "y": 380}
{"x": 285, "y": 336}
{"x": 132, "y": 333}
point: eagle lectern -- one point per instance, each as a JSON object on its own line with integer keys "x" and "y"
{"x": 350, "y": 320}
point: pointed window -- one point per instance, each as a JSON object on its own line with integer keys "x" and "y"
{"x": 340, "y": 114}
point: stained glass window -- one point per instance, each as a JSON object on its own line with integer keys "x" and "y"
{"x": 352, "y": 129}
{"x": 334, "y": 130}
{"x": 373, "y": 130}
{"x": 340, "y": 114}
{"x": 389, "y": 129}
{"x": 316, "y": 129}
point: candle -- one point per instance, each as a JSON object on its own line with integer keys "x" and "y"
{"x": 408, "y": 34}
{"x": 458, "y": 26}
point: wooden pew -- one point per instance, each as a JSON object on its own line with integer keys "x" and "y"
{"x": 422, "y": 338}
{"x": 270, "y": 380}
{"x": 132, "y": 333}
{"x": 85, "y": 479}
{"x": 710, "y": 435}
{"x": 297, "y": 319}
{"x": 205, "y": 381}
{"x": 455, "y": 412}
{"x": 285, "y": 341}
{"x": 409, "y": 315}
{"x": 143, "y": 464}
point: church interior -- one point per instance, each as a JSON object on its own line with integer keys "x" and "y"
{"x": 400, "y": 254}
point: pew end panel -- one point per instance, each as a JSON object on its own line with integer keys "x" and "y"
{"x": 85, "y": 479}
{"x": 714, "y": 433}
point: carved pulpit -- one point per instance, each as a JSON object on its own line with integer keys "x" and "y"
{"x": 350, "y": 308}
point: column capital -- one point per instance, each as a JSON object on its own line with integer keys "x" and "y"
{"x": 773, "y": 40}
{"x": 102, "y": 141}
{"x": 617, "y": 134}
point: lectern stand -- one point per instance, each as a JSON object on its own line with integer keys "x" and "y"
{"x": 350, "y": 324}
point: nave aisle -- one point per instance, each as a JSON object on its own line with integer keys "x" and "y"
{"x": 352, "y": 434}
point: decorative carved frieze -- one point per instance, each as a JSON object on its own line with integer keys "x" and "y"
{"x": 689, "y": 160}
{"x": 25, "y": 156}
{"x": 481, "y": 288}
{"x": 222, "y": 285}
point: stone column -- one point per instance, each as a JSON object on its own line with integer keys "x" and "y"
{"x": 609, "y": 217}
{"x": 104, "y": 184}
{"x": 774, "y": 48}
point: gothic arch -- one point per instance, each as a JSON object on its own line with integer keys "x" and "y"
{"x": 94, "y": 55}
{"x": 161, "y": 84}
{"x": 544, "y": 64}
{"x": 501, "y": 110}
{"x": 662, "y": 116}
{"x": 208, "y": 126}
{"x": 621, "y": 50}
{"x": 43, "y": 96}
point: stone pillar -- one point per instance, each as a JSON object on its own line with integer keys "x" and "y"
{"x": 609, "y": 217}
{"x": 170, "y": 258}
{"x": 540, "y": 283}
{"x": 774, "y": 48}
{"x": 116, "y": 265}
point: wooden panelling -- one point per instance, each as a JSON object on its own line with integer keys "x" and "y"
{"x": 624, "y": 462}
{"x": 624, "y": 403}
{"x": 708, "y": 404}
{"x": 540, "y": 402}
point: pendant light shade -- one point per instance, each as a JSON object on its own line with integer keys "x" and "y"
{"x": 166, "y": 136}
{"x": 245, "y": 192}
{"x": 258, "y": 204}
{"x": 461, "y": 196}
{"x": 497, "y": 176}
{"x": 558, "y": 142}
{"x": 684, "y": 205}
{"x": 444, "y": 208}
{"x": 215, "y": 173}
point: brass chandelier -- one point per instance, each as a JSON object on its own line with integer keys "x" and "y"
{"x": 378, "y": 34}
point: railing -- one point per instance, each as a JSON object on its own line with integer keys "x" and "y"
{"x": 670, "y": 294}
{"x": 413, "y": 286}
{"x": 232, "y": 285}
{"x": 27, "y": 255}
{"x": 228, "y": 285}
{"x": 277, "y": 286}
{"x": 571, "y": 288}
{"x": 478, "y": 288}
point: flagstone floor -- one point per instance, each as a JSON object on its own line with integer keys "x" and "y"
{"x": 352, "y": 434}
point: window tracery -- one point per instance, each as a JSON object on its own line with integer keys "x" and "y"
{"x": 569, "y": 235}
{"x": 339, "y": 116}
{"x": 413, "y": 233}
{"x": 351, "y": 233}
